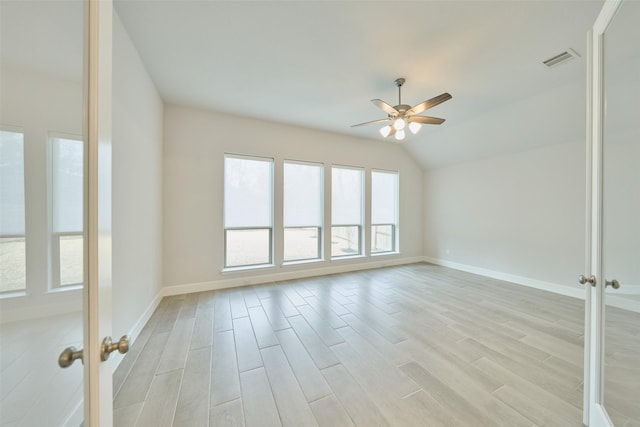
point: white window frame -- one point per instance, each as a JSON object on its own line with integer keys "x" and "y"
{"x": 319, "y": 229}
{"x": 226, "y": 229}
{"x": 394, "y": 226}
{"x": 54, "y": 237}
{"x": 360, "y": 226}
{"x": 21, "y": 291}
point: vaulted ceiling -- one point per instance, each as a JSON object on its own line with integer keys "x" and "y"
{"x": 318, "y": 64}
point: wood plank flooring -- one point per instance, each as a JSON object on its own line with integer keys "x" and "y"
{"x": 30, "y": 378}
{"x": 622, "y": 366}
{"x": 415, "y": 345}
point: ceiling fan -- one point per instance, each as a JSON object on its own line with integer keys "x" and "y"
{"x": 402, "y": 115}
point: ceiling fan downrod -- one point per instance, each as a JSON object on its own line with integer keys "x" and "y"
{"x": 399, "y": 82}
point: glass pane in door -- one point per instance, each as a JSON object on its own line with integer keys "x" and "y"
{"x": 621, "y": 216}
{"x": 41, "y": 98}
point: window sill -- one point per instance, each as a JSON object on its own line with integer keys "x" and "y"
{"x": 13, "y": 294}
{"x": 247, "y": 268}
{"x": 385, "y": 253}
{"x": 66, "y": 288}
{"x": 302, "y": 261}
{"x": 348, "y": 257}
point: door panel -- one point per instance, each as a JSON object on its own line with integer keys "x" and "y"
{"x": 55, "y": 219}
{"x": 98, "y": 407}
{"x": 621, "y": 215}
{"x": 42, "y": 96}
{"x": 613, "y": 321}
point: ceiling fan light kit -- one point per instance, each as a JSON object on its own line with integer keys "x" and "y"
{"x": 402, "y": 116}
{"x": 385, "y": 131}
{"x": 414, "y": 127}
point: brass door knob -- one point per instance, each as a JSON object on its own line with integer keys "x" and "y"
{"x": 107, "y": 347}
{"x": 582, "y": 279}
{"x": 613, "y": 283}
{"x": 68, "y": 356}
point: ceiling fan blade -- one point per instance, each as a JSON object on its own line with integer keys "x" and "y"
{"x": 425, "y": 120}
{"x": 372, "y": 122}
{"x": 385, "y": 107}
{"x": 428, "y": 104}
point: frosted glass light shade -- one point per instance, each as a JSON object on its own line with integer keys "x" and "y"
{"x": 385, "y": 131}
{"x": 399, "y": 124}
{"x": 414, "y": 127}
{"x": 400, "y": 135}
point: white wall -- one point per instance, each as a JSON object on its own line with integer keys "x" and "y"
{"x": 520, "y": 214}
{"x": 195, "y": 142}
{"x": 137, "y": 186}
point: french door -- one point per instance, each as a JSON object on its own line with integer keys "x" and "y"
{"x": 612, "y": 335}
{"x": 98, "y": 390}
{"x": 55, "y": 219}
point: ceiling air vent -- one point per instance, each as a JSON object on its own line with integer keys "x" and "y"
{"x": 561, "y": 58}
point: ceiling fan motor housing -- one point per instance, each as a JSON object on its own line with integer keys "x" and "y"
{"x": 402, "y": 108}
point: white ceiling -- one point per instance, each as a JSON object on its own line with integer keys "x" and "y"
{"x": 317, "y": 64}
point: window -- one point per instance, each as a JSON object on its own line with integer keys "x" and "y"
{"x": 384, "y": 211}
{"x": 12, "y": 220}
{"x": 303, "y": 206}
{"x": 346, "y": 211}
{"x": 67, "y": 184}
{"x": 248, "y": 211}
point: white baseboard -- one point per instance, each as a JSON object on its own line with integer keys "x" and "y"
{"x": 577, "y": 292}
{"x": 144, "y": 318}
{"x": 244, "y": 280}
{"x": 26, "y": 307}
{"x": 617, "y": 298}
{"x": 137, "y": 327}
{"x": 625, "y": 289}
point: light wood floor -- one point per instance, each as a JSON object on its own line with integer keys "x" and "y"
{"x": 416, "y": 345}
{"x": 30, "y": 378}
{"x": 622, "y": 366}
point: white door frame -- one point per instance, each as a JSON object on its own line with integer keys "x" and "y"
{"x": 98, "y": 399}
{"x": 595, "y": 414}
